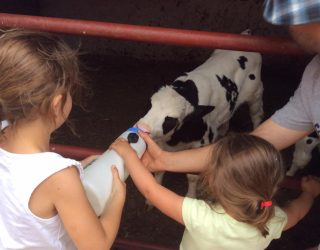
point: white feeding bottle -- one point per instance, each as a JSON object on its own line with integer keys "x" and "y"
{"x": 97, "y": 180}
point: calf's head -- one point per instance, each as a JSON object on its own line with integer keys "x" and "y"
{"x": 168, "y": 109}
{"x": 175, "y": 111}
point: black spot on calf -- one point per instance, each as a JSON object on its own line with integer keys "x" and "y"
{"x": 309, "y": 141}
{"x": 169, "y": 124}
{"x": 252, "y": 77}
{"x": 313, "y": 134}
{"x": 242, "y": 61}
{"x": 192, "y": 130}
{"x": 188, "y": 90}
{"x": 193, "y": 127}
{"x": 231, "y": 90}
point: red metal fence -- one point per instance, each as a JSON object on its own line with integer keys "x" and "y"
{"x": 181, "y": 37}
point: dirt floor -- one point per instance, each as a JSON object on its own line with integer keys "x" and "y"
{"x": 121, "y": 90}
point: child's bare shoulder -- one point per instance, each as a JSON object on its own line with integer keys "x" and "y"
{"x": 64, "y": 182}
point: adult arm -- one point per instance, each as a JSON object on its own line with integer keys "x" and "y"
{"x": 307, "y": 36}
{"x": 277, "y": 135}
{"x": 196, "y": 160}
{"x": 185, "y": 161}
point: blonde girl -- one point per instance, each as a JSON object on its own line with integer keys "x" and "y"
{"x": 43, "y": 202}
{"x": 236, "y": 208}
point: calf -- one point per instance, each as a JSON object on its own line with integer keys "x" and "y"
{"x": 196, "y": 108}
{"x": 303, "y": 153}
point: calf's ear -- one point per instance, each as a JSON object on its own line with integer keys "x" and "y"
{"x": 188, "y": 90}
{"x": 169, "y": 124}
{"x": 199, "y": 112}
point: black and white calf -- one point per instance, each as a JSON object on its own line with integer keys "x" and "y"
{"x": 196, "y": 108}
{"x": 302, "y": 154}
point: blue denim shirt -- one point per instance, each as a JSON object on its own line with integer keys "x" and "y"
{"x": 291, "y": 12}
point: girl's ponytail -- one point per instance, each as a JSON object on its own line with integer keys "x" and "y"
{"x": 265, "y": 211}
{"x": 243, "y": 177}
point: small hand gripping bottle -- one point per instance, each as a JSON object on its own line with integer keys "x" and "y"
{"x": 97, "y": 180}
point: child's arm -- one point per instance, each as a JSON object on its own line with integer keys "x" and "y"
{"x": 85, "y": 162}
{"x": 162, "y": 198}
{"x": 299, "y": 207}
{"x": 87, "y": 231}
{"x": 186, "y": 161}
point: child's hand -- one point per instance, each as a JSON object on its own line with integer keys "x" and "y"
{"x": 85, "y": 162}
{"x": 153, "y": 156}
{"x": 123, "y": 148}
{"x": 118, "y": 191}
{"x": 311, "y": 184}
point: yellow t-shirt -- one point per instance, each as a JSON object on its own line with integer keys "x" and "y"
{"x": 210, "y": 228}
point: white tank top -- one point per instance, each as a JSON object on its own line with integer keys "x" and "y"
{"x": 20, "y": 174}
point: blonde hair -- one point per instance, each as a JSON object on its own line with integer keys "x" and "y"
{"x": 34, "y": 68}
{"x": 245, "y": 170}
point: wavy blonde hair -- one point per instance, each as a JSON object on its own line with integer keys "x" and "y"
{"x": 244, "y": 171}
{"x": 34, "y": 68}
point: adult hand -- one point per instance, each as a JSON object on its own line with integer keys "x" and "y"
{"x": 311, "y": 185}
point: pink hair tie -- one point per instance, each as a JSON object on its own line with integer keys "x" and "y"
{"x": 265, "y": 204}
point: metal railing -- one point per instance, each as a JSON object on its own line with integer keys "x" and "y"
{"x": 180, "y": 37}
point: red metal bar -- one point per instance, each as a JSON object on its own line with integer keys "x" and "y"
{"x": 213, "y": 40}
{"x": 74, "y": 152}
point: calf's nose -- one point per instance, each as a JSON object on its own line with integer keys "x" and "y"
{"x": 144, "y": 127}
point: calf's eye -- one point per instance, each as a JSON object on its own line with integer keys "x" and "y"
{"x": 169, "y": 124}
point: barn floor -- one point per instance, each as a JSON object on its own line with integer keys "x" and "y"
{"x": 121, "y": 89}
